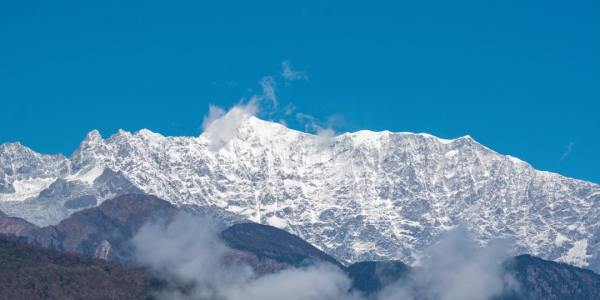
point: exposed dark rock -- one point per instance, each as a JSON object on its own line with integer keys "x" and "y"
{"x": 543, "y": 279}
{"x": 371, "y": 276}
{"x": 273, "y": 246}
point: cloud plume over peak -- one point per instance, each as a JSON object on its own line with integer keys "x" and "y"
{"x": 220, "y": 126}
{"x": 214, "y": 113}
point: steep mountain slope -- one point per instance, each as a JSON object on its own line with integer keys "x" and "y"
{"x": 542, "y": 279}
{"x": 272, "y": 248}
{"x": 31, "y": 273}
{"x": 104, "y": 231}
{"x": 14, "y": 226}
{"x": 358, "y": 196}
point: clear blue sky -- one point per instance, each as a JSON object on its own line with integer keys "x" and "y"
{"x": 521, "y": 77}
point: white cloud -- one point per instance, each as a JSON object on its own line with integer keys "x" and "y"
{"x": 189, "y": 252}
{"x": 325, "y": 137}
{"x": 219, "y": 127}
{"x": 289, "y": 74}
{"x": 268, "y": 97}
{"x": 214, "y": 113}
{"x": 289, "y": 109}
{"x": 568, "y": 150}
{"x": 320, "y": 282}
{"x": 456, "y": 268}
{"x": 324, "y": 132}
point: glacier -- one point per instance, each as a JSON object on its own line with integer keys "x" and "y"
{"x": 357, "y": 196}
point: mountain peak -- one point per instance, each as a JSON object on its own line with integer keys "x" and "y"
{"x": 238, "y": 122}
{"x": 14, "y": 147}
{"x": 92, "y": 137}
{"x": 16, "y": 150}
{"x": 150, "y": 136}
{"x": 122, "y": 132}
{"x": 263, "y": 126}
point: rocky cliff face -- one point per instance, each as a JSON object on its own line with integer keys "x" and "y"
{"x": 358, "y": 196}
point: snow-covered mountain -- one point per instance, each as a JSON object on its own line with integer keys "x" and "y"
{"x": 358, "y": 196}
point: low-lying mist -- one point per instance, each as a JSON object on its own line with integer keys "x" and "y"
{"x": 189, "y": 254}
{"x": 456, "y": 268}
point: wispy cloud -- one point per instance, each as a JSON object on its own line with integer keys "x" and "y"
{"x": 289, "y": 109}
{"x": 219, "y": 126}
{"x": 268, "y": 95}
{"x": 289, "y": 74}
{"x": 324, "y": 131}
{"x": 214, "y": 113}
{"x": 567, "y": 152}
{"x": 315, "y": 125}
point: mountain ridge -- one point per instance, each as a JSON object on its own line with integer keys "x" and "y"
{"x": 358, "y": 196}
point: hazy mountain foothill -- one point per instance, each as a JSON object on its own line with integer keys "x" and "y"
{"x": 92, "y": 255}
